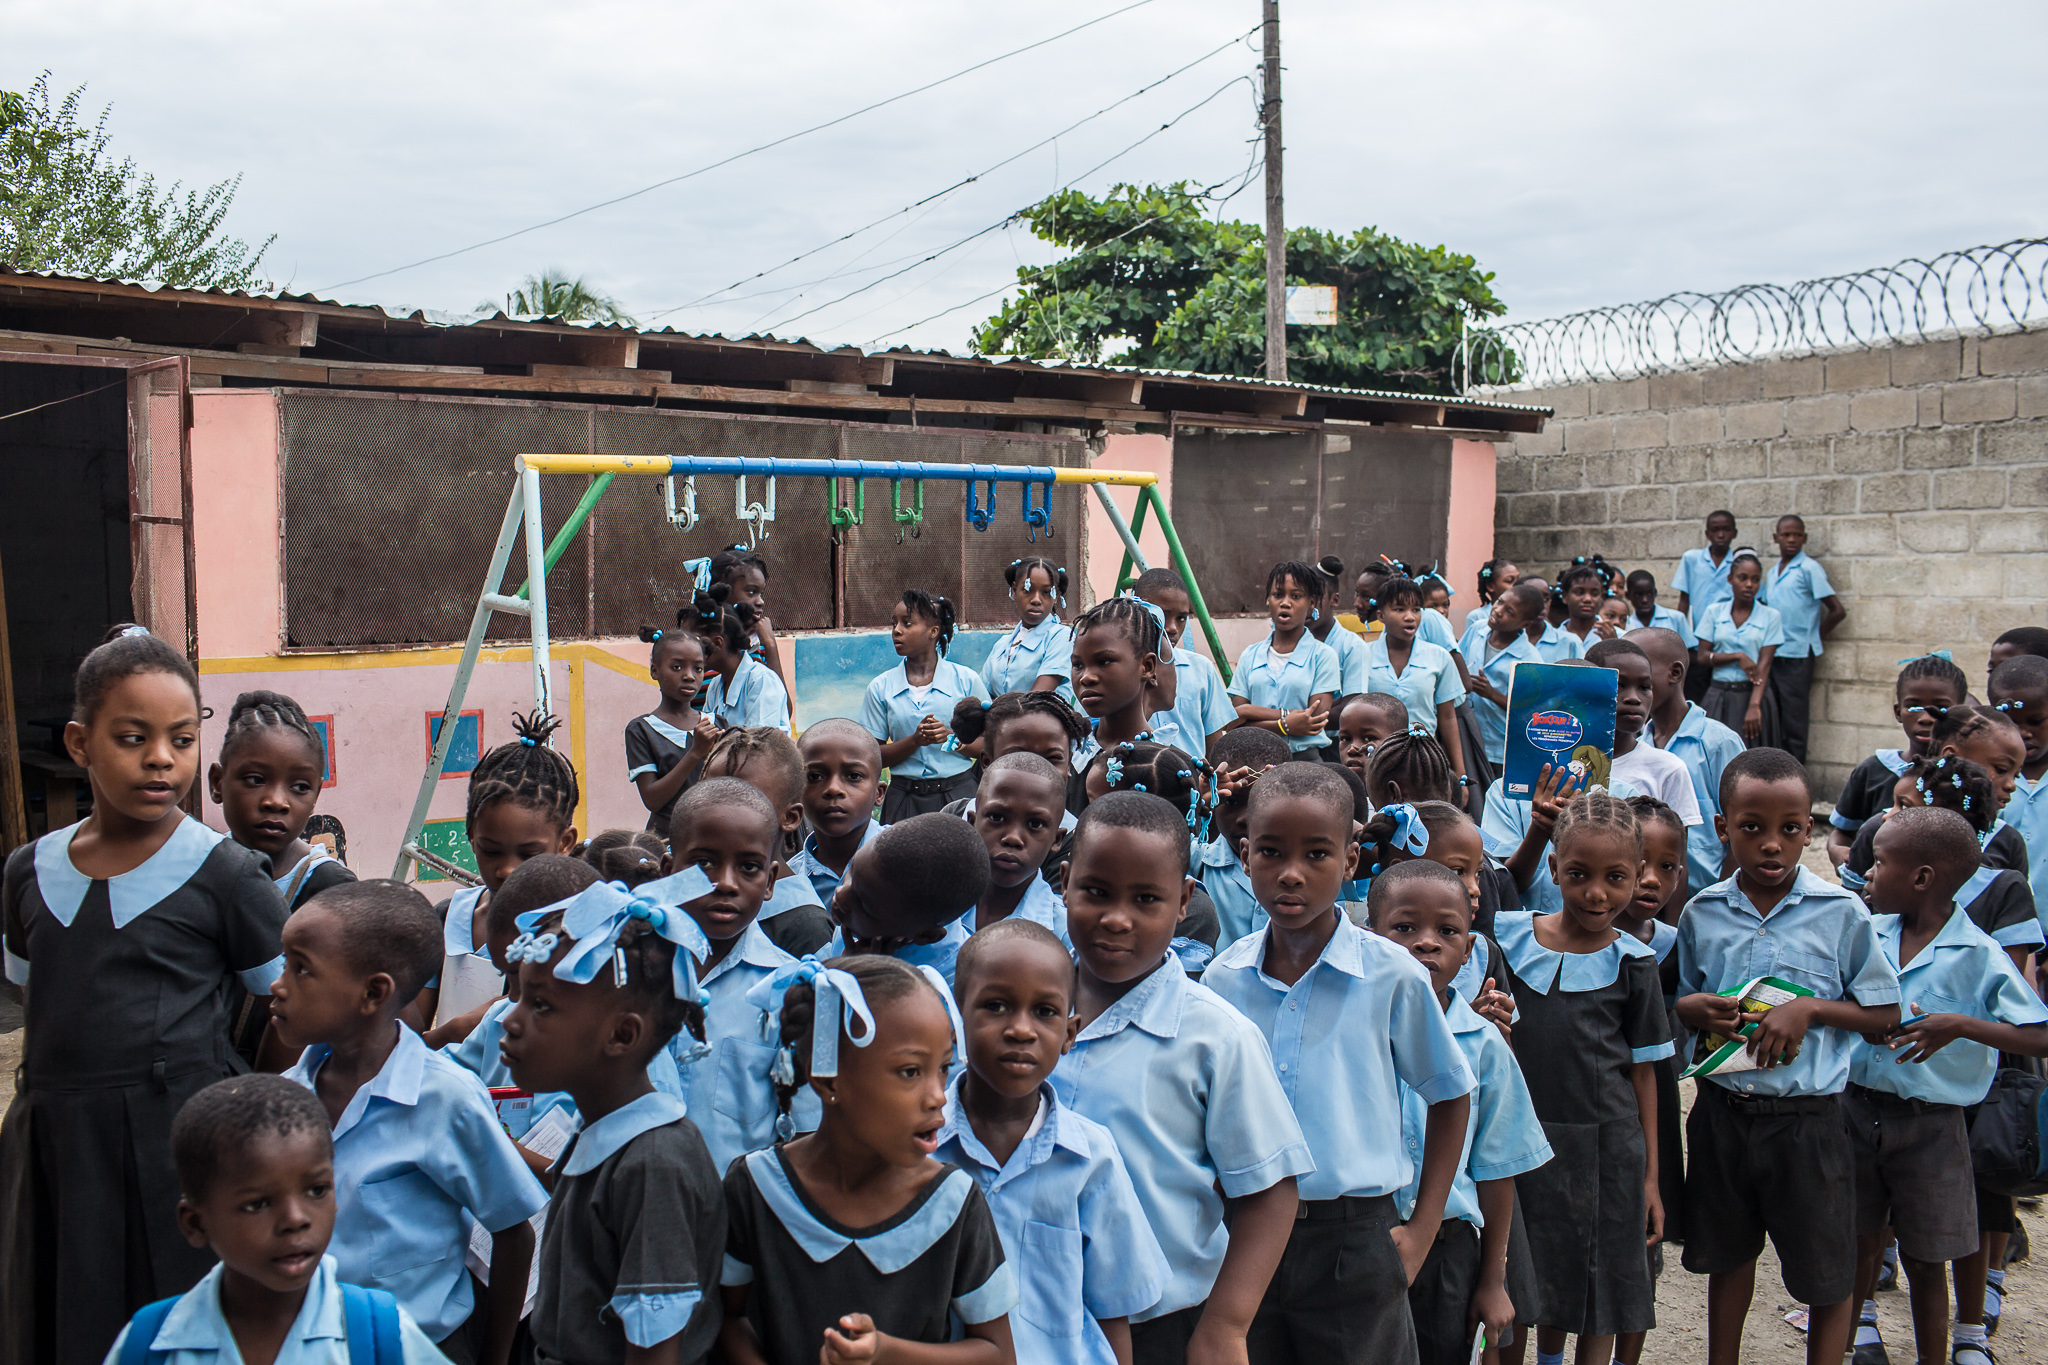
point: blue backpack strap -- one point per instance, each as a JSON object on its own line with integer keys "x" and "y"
{"x": 371, "y": 1316}
{"x": 142, "y": 1330}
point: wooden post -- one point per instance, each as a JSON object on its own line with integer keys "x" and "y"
{"x": 13, "y": 802}
{"x": 1276, "y": 217}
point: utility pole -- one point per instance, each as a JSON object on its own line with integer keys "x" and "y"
{"x": 1276, "y": 217}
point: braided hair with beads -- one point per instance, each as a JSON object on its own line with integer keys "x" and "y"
{"x": 1411, "y": 766}
{"x": 525, "y": 772}
{"x": 882, "y": 980}
{"x": 1129, "y": 615}
{"x": 254, "y": 712}
{"x": 1597, "y": 810}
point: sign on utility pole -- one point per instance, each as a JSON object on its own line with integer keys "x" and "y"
{"x": 1276, "y": 218}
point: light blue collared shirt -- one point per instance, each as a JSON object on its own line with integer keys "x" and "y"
{"x": 418, "y": 1152}
{"x": 1021, "y": 657}
{"x": 1795, "y": 591}
{"x": 2027, "y": 812}
{"x": 1502, "y": 824}
{"x": 889, "y": 712}
{"x": 1704, "y": 745}
{"x": 1558, "y": 643}
{"x": 1719, "y": 633}
{"x": 731, "y": 1099}
{"x": 1238, "y": 911}
{"x": 757, "y": 698}
{"x": 824, "y": 880}
{"x": 1663, "y": 618}
{"x": 1201, "y": 703}
{"x": 1287, "y": 681}
{"x": 1819, "y": 937}
{"x": 1701, "y": 580}
{"x": 787, "y": 894}
{"x": 1351, "y": 660}
{"x": 940, "y": 956}
{"x": 1435, "y": 629}
{"x": 1497, "y": 668}
{"x": 196, "y": 1332}
{"x": 1503, "y": 1136}
{"x": 1361, "y": 1023}
{"x": 1962, "y": 970}
{"x": 1041, "y": 905}
{"x": 1186, "y": 1084}
{"x": 1429, "y": 680}
{"x": 1070, "y": 1223}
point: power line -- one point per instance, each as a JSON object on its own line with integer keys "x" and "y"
{"x": 956, "y": 185}
{"x": 727, "y": 161}
{"x": 975, "y": 236}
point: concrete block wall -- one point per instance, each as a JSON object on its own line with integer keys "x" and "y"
{"x": 1921, "y": 472}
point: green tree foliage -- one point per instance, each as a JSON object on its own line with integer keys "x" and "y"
{"x": 68, "y": 207}
{"x": 552, "y": 294}
{"x": 1151, "y": 280}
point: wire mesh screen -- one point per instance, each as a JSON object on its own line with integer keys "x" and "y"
{"x": 393, "y": 504}
{"x": 640, "y": 578}
{"x": 1388, "y": 493}
{"x": 392, "y": 507}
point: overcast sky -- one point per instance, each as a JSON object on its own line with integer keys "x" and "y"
{"x": 1586, "y": 153}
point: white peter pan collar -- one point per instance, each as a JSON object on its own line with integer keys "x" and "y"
{"x": 889, "y": 1250}
{"x": 134, "y": 892}
{"x": 596, "y": 1144}
{"x": 1542, "y": 970}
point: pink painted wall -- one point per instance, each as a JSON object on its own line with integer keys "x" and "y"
{"x": 1471, "y": 529}
{"x": 235, "y": 521}
{"x": 1153, "y": 455}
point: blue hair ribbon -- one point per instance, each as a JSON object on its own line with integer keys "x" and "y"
{"x": 700, "y": 569}
{"x": 1930, "y": 654}
{"x": 840, "y": 1001}
{"x": 1411, "y": 836}
{"x": 595, "y": 917}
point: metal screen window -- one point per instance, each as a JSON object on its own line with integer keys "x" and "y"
{"x": 392, "y": 504}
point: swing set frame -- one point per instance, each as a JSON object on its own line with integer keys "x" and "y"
{"x": 523, "y": 522}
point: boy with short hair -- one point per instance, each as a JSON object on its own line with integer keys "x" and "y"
{"x": 1907, "y": 1092}
{"x": 2019, "y": 687}
{"x": 1766, "y": 1150}
{"x": 1925, "y": 687}
{"x": 1063, "y": 1202}
{"x": 256, "y": 1179}
{"x": 905, "y": 894}
{"x": 1183, "y": 1080}
{"x": 1704, "y": 745}
{"x": 1701, "y": 581}
{"x": 1492, "y": 647}
{"x": 1237, "y": 757}
{"x": 1351, "y": 1019}
{"x": 1798, "y": 588}
{"x": 418, "y": 1150}
{"x": 1640, "y": 588}
{"x": 1017, "y": 812}
{"x": 842, "y": 774}
{"x": 1645, "y": 767}
{"x": 2015, "y": 642}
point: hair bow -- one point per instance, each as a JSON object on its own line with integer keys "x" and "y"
{"x": 1411, "y": 836}
{"x": 536, "y": 948}
{"x": 938, "y": 983}
{"x": 1930, "y": 654}
{"x": 1152, "y": 609}
{"x": 699, "y": 569}
{"x": 594, "y": 918}
{"x": 1113, "y": 771}
{"x": 1421, "y": 731}
{"x": 840, "y": 1001}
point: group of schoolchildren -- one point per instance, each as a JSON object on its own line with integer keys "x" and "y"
{"x": 1156, "y": 1019}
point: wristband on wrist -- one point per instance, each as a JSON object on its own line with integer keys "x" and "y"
{"x": 1283, "y": 720}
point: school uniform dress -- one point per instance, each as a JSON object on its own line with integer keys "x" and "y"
{"x": 418, "y": 1152}
{"x": 1071, "y": 1228}
{"x": 1497, "y": 666}
{"x": 1869, "y": 789}
{"x": 1796, "y": 591}
{"x": 1766, "y": 1150}
{"x": 1187, "y": 1086}
{"x": 756, "y": 697}
{"x": 1503, "y": 1139}
{"x": 1023, "y": 656}
{"x": 731, "y": 1099}
{"x": 1201, "y": 702}
{"x": 1238, "y": 911}
{"x": 1704, "y": 745}
{"x": 655, "y": 746}
{"x": 1663, "y": 618}
{"x": 1287, "y": 681}
{"x": 126, "y": 1022}
{"x": 478, "y": 1054}
{"x": 808, "y": 865}
{"x": 892, "y": 709}
{"x": 1503, "y": 824}
{"x": 1907, "y": 1122}
{"x": 635, "y": 1237}
{"x": 1586, "y": 1018}
{"x": 1727, "y": 696}
{"x": 1996, "y": 898}
{"x": 196, "y": 1332}
{"x": 299, "y": 883}
{"x": 1427, "y": 681}
{"x": 1359, "y": 1025}
{"x": 803, "y": 1270}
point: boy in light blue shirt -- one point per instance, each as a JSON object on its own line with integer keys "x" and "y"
{"x": 256, "y": 1175}
{"x": 2019, "y": 687}
{"x": 1644, "y": 613}
{"x": 1465, "y": 1277}
{"x": 1766, "y": 1150}
{"x": 842, "y": 768}
{"x": 1063, "y": 1202}
{"x": 1184, "y": 1082}
{"x": 1797, "y": 588}
{"x": 1351, "y": 1018}
{"x": 418, "y": 1150}
{"x": 1905, "y": 1104}
{"x": 1702, "y": 577}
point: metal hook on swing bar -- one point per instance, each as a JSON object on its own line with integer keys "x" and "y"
{"x": 686, "y": 518}
{"x": 755, "y": 514}
{"x": 1037, "y": 518}
{"x": 907, "y": 517}
{"x": 842, "y": 516}
{"x": 977, "y": 516}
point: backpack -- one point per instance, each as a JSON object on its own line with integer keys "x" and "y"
{"x": 370, "y": 1315}
{"x": 2006, "y": 1146}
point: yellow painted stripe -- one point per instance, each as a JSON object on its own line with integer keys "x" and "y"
{"x": 579, "y": 667}
{"x": 595, "y": 464}
{"x": 1124, "y": 478}
{"x": 604, "y": 658}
